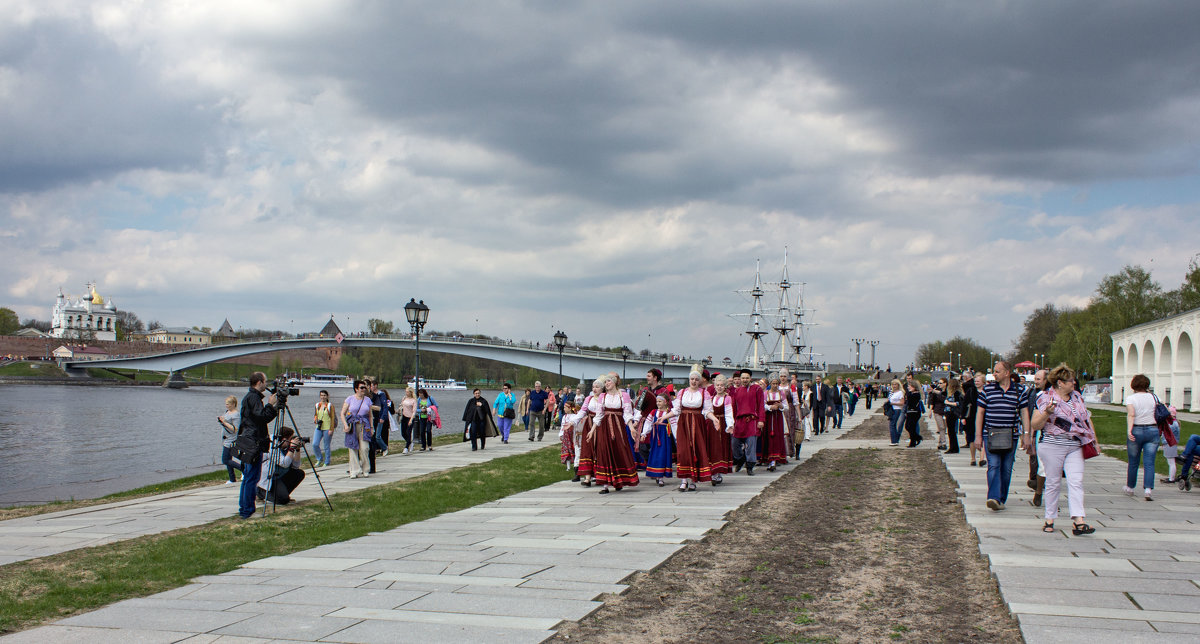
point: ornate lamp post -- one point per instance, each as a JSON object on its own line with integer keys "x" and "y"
{"x": 417, "y": 315}
{"x": 560, "y": 341}
{"x": 625, "y": 353}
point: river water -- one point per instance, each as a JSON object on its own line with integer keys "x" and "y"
{"x": 69, "y": 442}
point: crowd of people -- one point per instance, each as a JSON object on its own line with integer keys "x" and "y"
{"x": 719, "y": 425}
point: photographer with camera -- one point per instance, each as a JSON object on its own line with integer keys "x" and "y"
{"x": 287, "y": 473}
{"x": 253, "y": 433}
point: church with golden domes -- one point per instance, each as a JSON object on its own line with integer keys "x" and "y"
{"x": 89, "y": 317}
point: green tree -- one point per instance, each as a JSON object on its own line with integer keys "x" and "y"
{"x": 973, "y": 353}
{"x": 349, "y": 365}
{"x": 380, "y": 327}
{"x": 1187, "y": 297}
{"x": 276, "y": 366}
{"x": 1040, "y": 329}
{"x": 9, "y": 322}
{"x": 1083, "y": 341}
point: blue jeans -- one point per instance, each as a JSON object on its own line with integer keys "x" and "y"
{"x": 227, "y": 461}
{"x": 321, "y": 440}
{"x": 247, "y": 500}
{"x": 896, "y": 425}
{"x": 839, "y": 408}
{"x": 1189, "y": 453}
{"x": 1145, "y": 446}
{"x": 999, "y": 473}
{"x": 853, "y": 404}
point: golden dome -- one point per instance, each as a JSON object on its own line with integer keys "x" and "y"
{"x": 96, "y": 299}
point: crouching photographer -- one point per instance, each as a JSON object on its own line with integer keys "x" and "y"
{"x": 276, "y": 484}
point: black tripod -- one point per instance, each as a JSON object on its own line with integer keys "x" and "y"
{"x": 273, "y": 454}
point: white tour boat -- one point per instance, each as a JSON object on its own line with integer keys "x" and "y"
{"x": 431, "y": 385}
{"x": 324, "y": 381}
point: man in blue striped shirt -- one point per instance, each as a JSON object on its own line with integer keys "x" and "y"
{"x": 1003, "y": 407}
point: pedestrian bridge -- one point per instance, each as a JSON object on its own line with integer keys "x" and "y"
{"x": 576, "y": 363}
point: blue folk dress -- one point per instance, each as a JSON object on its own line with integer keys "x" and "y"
{"x": 658, "y": 463}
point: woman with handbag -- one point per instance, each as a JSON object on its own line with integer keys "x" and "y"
{"x": 1066, "y": 426}
{"x": 506, "y": 410}
{"x": 357, "y": 412}
{"x": 1142, "y": 435}
{"x": 954, "y": 408}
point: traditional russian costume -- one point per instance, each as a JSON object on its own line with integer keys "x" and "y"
{"x": 587, "y": 442}
{"x": 692, "y": 435}
{"x": 658, "y": 435}
{"x": 719, "y": 451}
{"x": 774, "y": 432}
{"x": 614, "y": 464}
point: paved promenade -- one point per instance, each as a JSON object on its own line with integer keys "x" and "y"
{"x": 51, "y": 533}
{"x": 1136, "y": 579}
{"x": 506, "y": 571}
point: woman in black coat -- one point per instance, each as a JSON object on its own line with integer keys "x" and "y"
{"x": 971, "y": 389}
{"x": 478, "y": 417}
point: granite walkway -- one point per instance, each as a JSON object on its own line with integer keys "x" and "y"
{"x": 506, "y": 571}
{"x": 1136, "y": 579}
{"x": 55, "y": 532}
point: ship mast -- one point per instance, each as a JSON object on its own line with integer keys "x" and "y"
{"x": 755, "y": 351}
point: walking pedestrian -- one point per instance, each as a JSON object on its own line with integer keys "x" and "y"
{"x": 523, "y": 408}
{"x": 537, "y": 410}
{"x": 895, "y": 409}
{"x": 937, "y": 410}
{"x": 408, "y": 410}
{"x": 658, "y": 430}
{"x": 719, "y": 449}
{"x": 424, "y": 417}
{"x": 505, "y": 410}
{"x": 692, "y": 409}
{"x": 1003, "y": 413}
{"x": 324, "y": 419}
{"x": 748, "y": 420}
{"x": 914, "y": 408}
{"x": 953, "y": 408}
{"x": 585, "y": 454}
{"x": 229, "y": 430}
{"x": 478, "y": 418}
{"x": 1142, "y": 434}
{"x": 614, "y": 464}
{"x": 1066, "y": 426}
{"x": 356, "y": 412}
{"x": 971, "y": 389}
{"x": 774, "y": 450}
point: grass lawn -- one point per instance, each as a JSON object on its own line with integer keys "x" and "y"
{"x": 1111, "y": 427}
{"x": 48, "y": 588}
{"x": 34, "y": 369}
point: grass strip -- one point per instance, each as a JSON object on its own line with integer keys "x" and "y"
{"x": 207, "y": 479}
{"x": 39, "y": 590}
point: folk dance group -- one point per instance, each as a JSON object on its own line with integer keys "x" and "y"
{"x": 698, "y": 434}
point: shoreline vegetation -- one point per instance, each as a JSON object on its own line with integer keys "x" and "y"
{"x": 39, "y": 590}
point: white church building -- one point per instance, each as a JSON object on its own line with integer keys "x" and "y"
{"x": 89, "y": 317}
{"x": 1164, "y": 350}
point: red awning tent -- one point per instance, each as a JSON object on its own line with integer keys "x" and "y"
{"x": 1025, "y": 365}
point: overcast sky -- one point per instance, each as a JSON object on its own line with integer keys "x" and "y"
{"x": 613, "y": 169}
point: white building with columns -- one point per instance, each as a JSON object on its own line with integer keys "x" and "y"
{"x": 1164, "y": 350}
{"x": 89, "y": 317}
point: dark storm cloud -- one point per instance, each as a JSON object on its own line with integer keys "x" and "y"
{"x": 1063, "y": 91}
{"x": 79, "y": 108}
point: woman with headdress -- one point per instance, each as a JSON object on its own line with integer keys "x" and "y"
{"x": 692, "y": 406}
{"x": 773, "y": 437}
{"x": 719, "y": 450}
{"x": 614, "y": 464}
{"x": 585, "y": 459}
{"x": 657, "y": 433}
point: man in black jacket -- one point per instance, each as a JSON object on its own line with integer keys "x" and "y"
{"x": 255, "y": 417}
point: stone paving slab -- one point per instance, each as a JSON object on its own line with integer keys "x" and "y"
{"x": 1133, "y": 580}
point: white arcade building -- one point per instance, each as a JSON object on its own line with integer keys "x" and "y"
{"x": 89, "y": 317}
{"x": 1164, "y": 350}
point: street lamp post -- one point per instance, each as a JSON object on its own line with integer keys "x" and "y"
{"x": 417, "y": 315}
{"x": 560, "y": 341}
{"x": 625, "y": 353}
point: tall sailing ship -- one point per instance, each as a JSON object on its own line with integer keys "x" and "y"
{"x": 778, "y": 325}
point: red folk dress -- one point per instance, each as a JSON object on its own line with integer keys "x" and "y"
{"x": 774, "y": 432}
{"x": 719, "y": 449}
{"x": 614, "y": 464}
{"x": 691, "y": 435}
{"x": 587, "y": 442}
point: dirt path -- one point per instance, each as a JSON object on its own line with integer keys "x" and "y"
{"x": 852, "y": 546}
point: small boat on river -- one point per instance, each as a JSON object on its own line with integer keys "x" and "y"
{"x": 324, "y": 381}
{"x": 441, "y": 385}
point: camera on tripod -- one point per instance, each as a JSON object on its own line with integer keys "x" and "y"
{"x": 282, "y": 391}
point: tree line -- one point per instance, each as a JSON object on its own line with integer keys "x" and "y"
{"x": 1081, "y": 336}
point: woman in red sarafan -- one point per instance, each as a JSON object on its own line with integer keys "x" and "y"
{"x": 692, "y": 406}
{"x": 774, "y": 431}
{"x": 614, "y": 464}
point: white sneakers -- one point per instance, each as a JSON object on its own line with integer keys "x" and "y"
{"x": 1128, "y": 490}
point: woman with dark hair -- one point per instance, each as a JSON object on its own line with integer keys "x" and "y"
{"x": 1142, "y": 435}
{"x": 971, "y": 388}
{"x": 357, "y": 413}
{"x": 424, "y": 418}
{"x": 913, "y": 409}
{"x": 1066, "y": 426}
{"x": 478, "y": 417}
{"x": 953, "y": 408}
